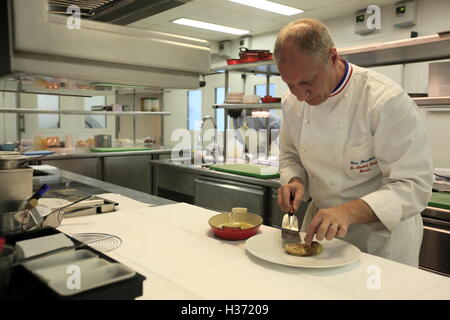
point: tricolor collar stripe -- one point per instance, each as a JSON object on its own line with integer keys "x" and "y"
{"x": 344, "y": 80}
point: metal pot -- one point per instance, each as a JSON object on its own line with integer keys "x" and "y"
{"x": 15, "y": 161}
{"x": 103, "y": 141}
{"x": 235, "y": 226}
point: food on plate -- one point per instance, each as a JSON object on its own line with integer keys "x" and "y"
{"x": 299, "y": 249}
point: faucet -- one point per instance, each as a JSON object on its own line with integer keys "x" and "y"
{"x": 204, "y": 120}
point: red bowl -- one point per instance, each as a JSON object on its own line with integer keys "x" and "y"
{"x": 241, "y": 227}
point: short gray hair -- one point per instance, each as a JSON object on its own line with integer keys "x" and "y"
{"x": 310, "y": 36}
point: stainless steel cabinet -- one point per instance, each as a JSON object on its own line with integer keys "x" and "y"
{"x": 89, "y": 167}
{"x": 220, "y": 194}
{"x": 128, "y": 171}
{"x": 173, "y": 184}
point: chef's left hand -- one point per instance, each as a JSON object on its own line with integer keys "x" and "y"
{"x": 331, "y": 222}
{"x": 327, "y": 223}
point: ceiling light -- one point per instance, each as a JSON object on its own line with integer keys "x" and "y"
{"x": 210, "y": 26}
{"x": 270, "y": 6}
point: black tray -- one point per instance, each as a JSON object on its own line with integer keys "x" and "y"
{"x": 24, "y": 285}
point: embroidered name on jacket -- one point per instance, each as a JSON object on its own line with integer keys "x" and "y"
{"x": 363, "y": 165}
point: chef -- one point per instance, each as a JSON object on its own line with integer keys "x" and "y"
{"x": 353, "y": 142}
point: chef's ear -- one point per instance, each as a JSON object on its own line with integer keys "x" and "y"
{"x": 334, "y": 57}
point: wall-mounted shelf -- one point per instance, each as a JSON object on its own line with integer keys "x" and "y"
{"x": 267, "y": 67}
{"x": 426, "y": 102}
{"x": 426, "y": 48}
{"x": 81, "y": 112}
{"x": 250, "y": 106}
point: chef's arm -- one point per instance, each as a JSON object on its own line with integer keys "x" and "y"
{"x": 404, "y": 156}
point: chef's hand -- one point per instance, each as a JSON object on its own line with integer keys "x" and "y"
{"x": 331, "y": 222}
{"x": 290, "y": 195}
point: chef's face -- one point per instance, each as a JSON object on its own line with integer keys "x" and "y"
{"x": 308, "y": 79}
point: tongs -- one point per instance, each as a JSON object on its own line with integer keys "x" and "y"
{"x": 290, "y": 231}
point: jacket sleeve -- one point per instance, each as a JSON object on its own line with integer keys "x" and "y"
{"x": 290, "y": 163}
{"x": 404, "y": 156}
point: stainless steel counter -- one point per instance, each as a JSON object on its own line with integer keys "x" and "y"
{"x": 57, "y": 176}
{"x": 63, "y": 155}
{"x": 204, "y": 171}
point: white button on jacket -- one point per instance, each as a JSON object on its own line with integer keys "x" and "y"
{"x": 386, "y": 160}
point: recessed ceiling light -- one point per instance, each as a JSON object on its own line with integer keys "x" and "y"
{"x": 210, "y": 26}
{"x": 270, "y": 6}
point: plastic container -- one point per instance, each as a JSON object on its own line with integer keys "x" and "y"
{"x": 16, "y": 184}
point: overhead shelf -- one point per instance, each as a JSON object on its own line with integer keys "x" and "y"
{"x": 426, "y": 48}
{"x": 81, "y": 112}
{"x": 432, "y": 101}
{"x": 267, "y": 67}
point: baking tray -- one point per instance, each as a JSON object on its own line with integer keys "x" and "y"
{"x": 24, "y": 285}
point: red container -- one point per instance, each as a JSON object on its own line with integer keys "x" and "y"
{"x": 233, "y": 61}
{"x": 239, "y": 227}
{"x": 270, "y": 99}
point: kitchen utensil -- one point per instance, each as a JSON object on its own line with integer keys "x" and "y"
{"x": 31, "y": 204}
{"x": 235, "y": 225}
{"x": 15, "y": 161}
{"x": 290, "y": 232}
{"x": 102, "y": 242}
{"x": 9, "y": 146}
{"x": 103, "y": 141}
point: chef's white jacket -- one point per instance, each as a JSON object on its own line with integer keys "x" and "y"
{"x": 366, "y": 142}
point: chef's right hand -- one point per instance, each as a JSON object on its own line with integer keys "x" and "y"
{"x": 290, "y": 195}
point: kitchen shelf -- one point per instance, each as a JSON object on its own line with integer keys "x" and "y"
{"x": 249, "y": 106}
{"x": 426, "y": 48}
{"x": 432, "y": 101}
{"x": 81, "y": 112}
{"x": 267, "y": 67}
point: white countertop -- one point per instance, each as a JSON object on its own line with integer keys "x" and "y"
{"x": 173, "y": 247}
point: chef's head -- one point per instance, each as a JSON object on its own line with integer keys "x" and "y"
{"x": 307, "y": 60}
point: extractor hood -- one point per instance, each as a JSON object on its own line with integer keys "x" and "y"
{"x": 120, "y": 12}
{"x": 38, "y": 47}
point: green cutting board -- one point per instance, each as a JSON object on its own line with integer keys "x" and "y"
{"x": 252, "y": 170}
{"x": 440, "y": 200}
{"x": 119, "y": 149}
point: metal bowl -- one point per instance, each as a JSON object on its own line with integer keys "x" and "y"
{"x": 15, "y": 161}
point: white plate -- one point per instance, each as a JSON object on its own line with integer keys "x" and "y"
{"x": 336, "y": 253}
